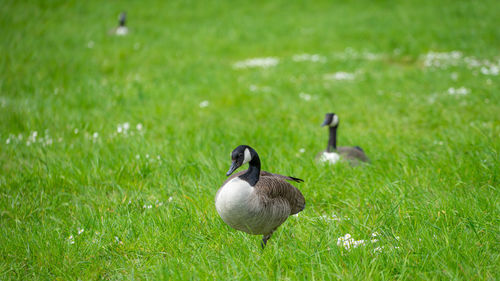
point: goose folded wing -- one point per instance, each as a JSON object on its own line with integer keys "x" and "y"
{"x": 277, "y": 188}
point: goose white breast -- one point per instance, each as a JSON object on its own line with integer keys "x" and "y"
{"x": 233, "y": 203}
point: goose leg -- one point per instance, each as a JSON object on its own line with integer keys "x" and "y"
{"x": 265, "y": 238}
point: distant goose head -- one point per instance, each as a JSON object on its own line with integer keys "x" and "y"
{"x": 122, "y": 29}
{"x": 241, "y": 155}
{"x": 331, "y": 120}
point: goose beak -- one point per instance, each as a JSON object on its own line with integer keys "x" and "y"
{"x": 325, "y": 122}
{"x": 233, "y": 167}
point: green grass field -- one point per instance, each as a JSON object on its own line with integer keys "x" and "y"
{"x": 112, "y": 148}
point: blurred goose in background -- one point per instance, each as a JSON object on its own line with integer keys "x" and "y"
{"x": 122, "y": 29}
{"x": 255, "y": 201}
{"x": 332, "y": 154}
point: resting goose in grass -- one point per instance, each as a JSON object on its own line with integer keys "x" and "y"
{"x": 122, "y": 29}
{"x": 332, "y": 154}
{"x": 256, "y": 201}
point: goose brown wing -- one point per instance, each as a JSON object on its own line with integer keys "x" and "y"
{"x": 353, "y": 153}
{"x": 275, "y": 187}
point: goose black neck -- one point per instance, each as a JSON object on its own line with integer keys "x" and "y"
{"x": 253, "y": 173}
{"x": 332, "y": 141}
{"x": 122, "y": 19}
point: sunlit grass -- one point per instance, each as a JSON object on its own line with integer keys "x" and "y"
{"x": 112, "y": 148}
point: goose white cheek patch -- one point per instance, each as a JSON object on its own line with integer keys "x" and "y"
{"x": 248, "y": 157}
{"x": 335, "y": 120}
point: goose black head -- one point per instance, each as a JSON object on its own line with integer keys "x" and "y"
{"x": 331, "y": 120}
{"x": 240, "y": 156}
{"x": 122, "y": 19}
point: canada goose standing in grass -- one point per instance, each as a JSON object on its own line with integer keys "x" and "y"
{"x": 256, "y": 201}
{"x": 332, "y": 154}
{"x": 122, "y": 29}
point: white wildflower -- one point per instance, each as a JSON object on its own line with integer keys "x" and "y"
{"x": 253, "y": 88}
{"x": 137, "y": 156}
{"x": 126, "y": 126}
{"x": 75, "y": 131}
{"x": 332, "y": 217}
{"x": 472, "y": 62}
{"x": 170, "y": 199}
{"x": 257, "y": 62}
{"x": 308, "y": 57}
{"x": 7, "y": 141}
{"x": 442, "y": 60}
{"x": 304, "y": 96}
{"x": 302, "y": 150}
{"x": 139, "y": 127}
{"x": 371, "y": 56}
{"x": 80, "y": 231}
{"x": 490, "y": 70}
{"x": 339, "y": 76}
{"x": 117, "y": 240}
{"x": 95, "y": 135}
{"x": 347, "y": 242}
{"x": 459, "y": 91}
{"x": 204, "y": 104}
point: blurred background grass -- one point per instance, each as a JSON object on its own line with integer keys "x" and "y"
{"x": 144, "y": 199}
